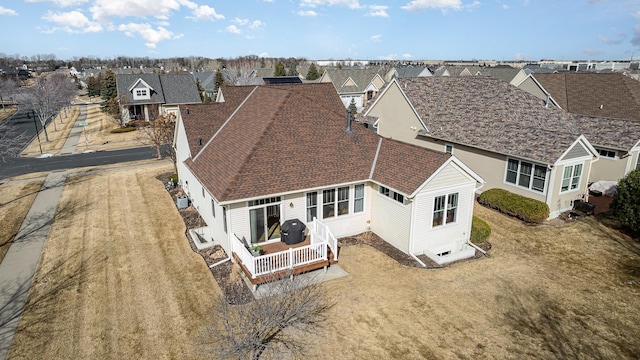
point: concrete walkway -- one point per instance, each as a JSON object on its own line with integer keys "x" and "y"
{"x": 71, "y": 143}
{"x": 20, "y": 262}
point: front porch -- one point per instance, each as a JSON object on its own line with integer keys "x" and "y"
{"x": 277, "y": 260}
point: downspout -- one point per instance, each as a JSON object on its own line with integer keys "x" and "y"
{"x": 418, "y": 260}
{"x": 477, "y": 248}
{"x": 219, "y": 262}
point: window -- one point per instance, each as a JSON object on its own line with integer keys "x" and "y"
{"x": 358, "y": 198}
{"x": 224, "y": 218}
{"x": 271, "y": 200}
{"x": 526, "y": 174}
{"x": 607, "y": 153}
{"x": 445, "y": 204}
{"x": 392, "y": 194}
{"x": 333, "y": 205}
{"x": 571, "y": 177}
{"x": 203, "y": 191}
{"x": 141, "y": 92}
{"x": 448, "y": 148}
{"x": 312, "y": 206}
{"x": 213, "y": 208}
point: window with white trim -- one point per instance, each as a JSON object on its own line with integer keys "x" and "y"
{"x": 312, "y": 205}
{"x": 141, "y": 93}
{"x": 525, "y": 174}
{"x": 611, "y": 154}
{"x": 224, "y": 218}
{"x": 571, "y": 177}
{"x": 448, "y": 148}
{"x": 392, "y": 194}
{"x": 358, "y": 198}
{"x": 335, "y": 202}
{"x": 445, "y": 209}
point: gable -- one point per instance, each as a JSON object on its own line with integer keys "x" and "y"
{"x": 449, "y": 175}
{"x": 396, "y": 113}
{"x": 578, "y": 150}
{"x": 349, "y": 82}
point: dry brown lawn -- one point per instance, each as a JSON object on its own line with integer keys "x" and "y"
{"x": 57, "y": 132}
{"x": 118, "y": 280}
{"x": 15, "y": 200}
{"x": 99, "y": 126}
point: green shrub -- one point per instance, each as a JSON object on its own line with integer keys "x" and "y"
{"x": 123, "y": 130}
{"x": 173, "y": 178}
{"x": 524, "y": 208}
{"x": 480, "y": 230}
{"x": 626, "y": 203}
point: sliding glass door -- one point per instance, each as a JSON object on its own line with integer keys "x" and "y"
{"x": 265, "y": 223}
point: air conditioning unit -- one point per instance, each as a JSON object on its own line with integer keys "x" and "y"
{"x": 182, "y": 202}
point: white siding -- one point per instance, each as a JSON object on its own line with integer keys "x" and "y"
{"x": 448, "y": 237}
{"x": 452, "y": 174}
{"x": 238, "y": 215}
{"x": 391, "y": 220}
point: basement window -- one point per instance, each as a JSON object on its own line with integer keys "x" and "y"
{"x": 444, "y": 253}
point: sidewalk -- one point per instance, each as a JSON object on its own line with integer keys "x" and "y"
{"x": 20, "y": 262}
{"x": 71, "y": 143}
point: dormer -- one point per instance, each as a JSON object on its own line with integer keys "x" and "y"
{"x": 140, "y": 90}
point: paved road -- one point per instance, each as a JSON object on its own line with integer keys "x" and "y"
{"x": 21, "y": 166}
{"x": 25, "y": 124}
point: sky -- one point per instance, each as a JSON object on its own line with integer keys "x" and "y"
{"x": 501, "y": 30}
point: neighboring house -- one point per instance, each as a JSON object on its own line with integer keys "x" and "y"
{"x": 504, "y": 134}
{"x": 271, "y": 80}
{"x": 207, "y": 80}
{"x": 359, "y": 85}
{"x": 407, "y": 71}
{"x": 609, "y": 95}
{"x": 610, "y": 104}
{"x": 261, "y": 72}
{"x": 502, "y": 72}
{"x": 262, "y": 155}
{"x": 145, "y": 96}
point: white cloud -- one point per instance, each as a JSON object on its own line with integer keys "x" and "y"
{"x": 388, "y": 57}
{"x": 378, "y": 10}
{"x": 591, "y": 52}
{"x": 205, "y": 13}
{"x": 377, "y": 37}
{"x": 635, "y": 40}
{"x": 256, "y": 24}
{"x": 61, "y": 3}
{"x": 71, "y": 22}
{"x": 150, "y": 35}
{"x": 233, "y": 29}
{"x": 5, "y": 11}
{"x": 310, "y": 13}
{"x": 352, "y": 4}
{"x": 104, "y": 10}
{"x": 617, "y": 40}
{"x": 407, "y": 56}
{"x": 240, "y": 21}
{"x": 419, "y": 5}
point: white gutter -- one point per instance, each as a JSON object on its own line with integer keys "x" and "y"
{"x": 477, "y": 248}
{"x": 418, "y": 260}
{"x": 219, "y": 262}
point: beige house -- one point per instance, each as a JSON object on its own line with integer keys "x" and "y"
{"x": 359, "y": 85}
{"x": 502, "y": 133}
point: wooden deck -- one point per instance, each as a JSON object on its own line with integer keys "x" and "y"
{"x": 280, "y": 247}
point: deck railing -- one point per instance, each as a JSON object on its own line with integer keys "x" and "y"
{"x": 321, "y": 240}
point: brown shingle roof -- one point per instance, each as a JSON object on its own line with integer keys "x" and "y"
{"x": 620, "y": 134}
{"x": 490, "y": 114}
{"x": 585, "y": 93}
{"x": 284, "y": 138}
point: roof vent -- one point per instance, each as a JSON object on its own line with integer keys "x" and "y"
{"x": 187, "y": 111}
{"x": 601, "y": 106}
{"x": 199, "y": 141}
{"x": 349, "y": 117}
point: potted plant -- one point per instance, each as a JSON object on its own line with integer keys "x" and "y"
{"x": 256, "y": 250}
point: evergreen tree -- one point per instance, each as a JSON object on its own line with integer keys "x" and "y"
{"x": 280, "y": 71}
{"x": 292, "y": 69}
{"x": 352, "y": 107}
{"x": 108, "y": 93}
{"x": 626, "y": 203}
{"x": 203, "y": 94}
{"x": 219, "y": 81}
{"x": 312, "y": 74}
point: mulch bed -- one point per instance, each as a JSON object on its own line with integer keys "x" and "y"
{"x": 227, "y": 274}
{"x": 391, "y": 251}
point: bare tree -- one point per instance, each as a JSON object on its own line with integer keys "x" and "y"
{"x": 47, "y": 96}
{"x": 161, "y": 131}
{"x": 276, "y": 325}
{"x": 11, "y": 141}
{"x": 8, "y": 87}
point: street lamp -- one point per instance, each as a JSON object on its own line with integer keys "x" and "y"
{"x": 36, "y": 125}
